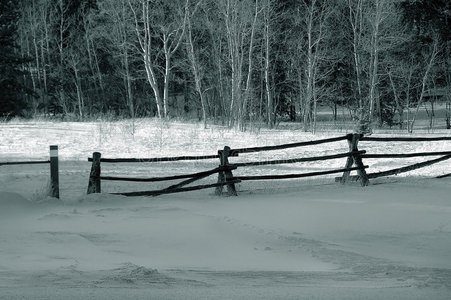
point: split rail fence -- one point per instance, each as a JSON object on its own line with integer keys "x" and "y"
{"x": 54, "y": 173}
{"x": 354, "y": 162}
{"x": 94, "y": 185}
{"x": 443, "y": 155}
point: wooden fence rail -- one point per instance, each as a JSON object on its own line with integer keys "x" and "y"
{"x": 445, "y": 155}
{"x": 403, "y": 139}
{"x": 11, "y": 163}
{"x": 302, "y": 175}
{"x": 286, "y": 146}
{"x": 54, "y": 173}
{"x": 177, "y": 190}
{"x": 226, "y": 178}
{"x": 94, "y": 184}
{"x": 352, "y": 156}
{"x": 298, "y": 160}
{"x": 167, "y": 178}
{"x": 156, "y": 159}
{"x": 406, "y": 155}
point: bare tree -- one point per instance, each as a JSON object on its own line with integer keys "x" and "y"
{"x": 425, "y": 80}
{"x": 195, "y": 65}
{"x": 143, "y": 28}
{"x": 268, "y": 13}
{"x": 312, "y": 17}
{"x": 240, "y": 19}
{"x": 120, "y": 34}
{"x": 74, "y": 61}
{"x": 250, "y": 69}
{"x": 152, "y": 24}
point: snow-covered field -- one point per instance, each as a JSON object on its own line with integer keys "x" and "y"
{"x": 290, "y": 239}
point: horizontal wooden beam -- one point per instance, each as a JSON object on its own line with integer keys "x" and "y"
{"x": 290, "y": 176}
{"x": 408, "y": 168}
{"x": 178, "y": 190}
{"x": 286, "y": 146}
{"x": 404, "y": 139}
{"x": 297, "y": 160}
{"x": 156, "y": 159}
{"x": 406, "y": 155}
{"x": 167, "y": 178}
{"x": 24, "y": 162}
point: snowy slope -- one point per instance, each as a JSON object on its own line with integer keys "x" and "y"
{"x": 293, "y": 239}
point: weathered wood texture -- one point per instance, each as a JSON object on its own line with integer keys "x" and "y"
{"x": 286, "y": 146}
{"x": 408, "y": 168}
{"x": 292, "y": 176}
{"x": 157, "y": 159}
{"x": 404, "y": 139}
{"x": 355, "y": 159}
{"x": 297, "y": 160}
{"x": 94, "y": 184}
{"x": 406, "y": 155}
{"x": 54, "y": 172}
{"x": 178, "y": 190}
{"x": 198, "y": 175}
{"x": 227, "y": 175}
{"x": 226, "y": 178}
{"x": 9, "y": 163}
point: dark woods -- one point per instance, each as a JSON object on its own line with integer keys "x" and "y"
{"x": 232, "y": 61}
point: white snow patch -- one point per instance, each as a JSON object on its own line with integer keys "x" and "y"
{"x": 291, "y": 239}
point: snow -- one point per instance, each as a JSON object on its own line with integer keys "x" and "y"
{"x": 290, "y": 239}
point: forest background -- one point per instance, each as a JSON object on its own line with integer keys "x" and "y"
{"x": 235, "y": 62}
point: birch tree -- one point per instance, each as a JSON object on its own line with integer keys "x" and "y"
{"x": 311, "y": 17}
{"x": 434, "y": 51}
{"x": 268, "y": 15}
{"x": 240, "y": 18}
{"x": 160, "y": 28}
{"x": 194, "y": 61}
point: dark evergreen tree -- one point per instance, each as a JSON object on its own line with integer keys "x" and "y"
{"x": 428, "y": 17}
{"x": 12, "y": 92}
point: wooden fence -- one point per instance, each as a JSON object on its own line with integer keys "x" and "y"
{"x": 224, "y": 171}
{"x": 94, "y": 185}
{"x": 354, "y": 162}
{"x": 54, "y": 173}
{"x": 352, "y": 156}
{"x": 356, "y": 138}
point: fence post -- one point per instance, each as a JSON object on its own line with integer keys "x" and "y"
{"x": 94, "y": 177}
{"x": 54, "y": 174}
{"x": 353, "y": 141}
{"x": 226, "y": 175}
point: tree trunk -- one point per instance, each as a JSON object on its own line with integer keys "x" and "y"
{"x": 196, "y": 71}
{"x": 269, "y": 96}
{"x": 434, "y": 53}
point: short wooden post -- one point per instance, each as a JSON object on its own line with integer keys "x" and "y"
{"x": 54, "y": 174}
{"x": 226, "y": 175}
{"x": 353, "y": 141}
{"x": 94, "y": 178}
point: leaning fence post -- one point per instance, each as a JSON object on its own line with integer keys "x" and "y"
{"x": 54, "y": 176}
{"x": 226, "y": 175}
{"x": 94, "y": 177}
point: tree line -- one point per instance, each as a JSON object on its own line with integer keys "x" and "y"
{"x": 235, "y": 61}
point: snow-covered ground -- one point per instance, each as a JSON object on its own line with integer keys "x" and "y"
{"x": 290, "y": 239}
